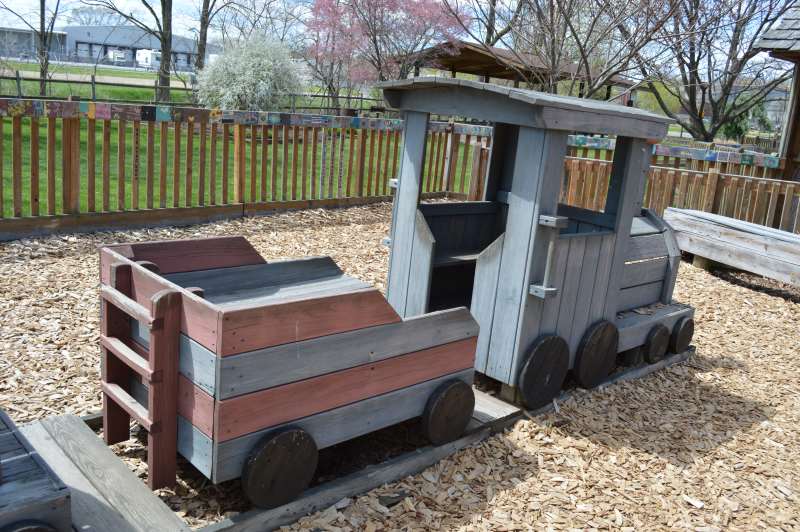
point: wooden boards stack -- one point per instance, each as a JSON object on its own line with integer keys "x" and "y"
{"x": 754, "y": 248}
{"x": 295, "y": 342}
{"x": 30, "y": 493}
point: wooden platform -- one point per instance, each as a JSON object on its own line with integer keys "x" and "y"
{"x": 106, "y": 495}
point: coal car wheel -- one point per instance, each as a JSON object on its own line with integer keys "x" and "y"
{"x": 448, "y": 412}
{"x": 279, "y": 467}
{"x": 657, "y": 343}
{"x": 597, "y": 354}
{"x": 682, "y": 335}
{"x": 544, "y": 371}
{"x": 28, "y": 526}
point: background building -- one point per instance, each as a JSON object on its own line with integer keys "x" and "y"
{"x": 21, "y": 43}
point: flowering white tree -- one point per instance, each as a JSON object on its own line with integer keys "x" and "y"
{"x": 249, "y": 76}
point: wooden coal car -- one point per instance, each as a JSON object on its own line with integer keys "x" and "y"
{"x": 247, "y": 368}
{"x": 555, "y": 287}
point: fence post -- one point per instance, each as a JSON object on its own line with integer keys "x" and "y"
{"x": 711, "y": 190}
{"x": 94, "y": 89}
{"x": 238, "y": 162}
{"x": 19, "y": 84}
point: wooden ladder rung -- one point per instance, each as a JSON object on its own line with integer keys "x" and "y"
{"x": 129, "y": 307}
{"x": 130, "y": 405}
{"x": 130, "y": 357}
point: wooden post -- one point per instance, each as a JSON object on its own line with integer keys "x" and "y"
{"x": 122, "y": 126}
{"x": 176, "y": 167}
{"x": 405, "y": 208}
{"x": 106, "y": 165}
{"x": 91, "y": 183}
{"x": 238, "y": 163}
{"x": 34, "y": 184}
{"x": 163, "y": 146}
{"x": 115, "y": 323}
{"x": 189, "y": 190}
{"x": 709, "y": 195}
{"x": 163, "y": 394}
{"x": 16, "y": 165}
{"x": 151, "y": 133}
{"x": 135, "y": 145}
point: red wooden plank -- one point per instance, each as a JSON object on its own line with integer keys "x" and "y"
{"x": 174, "y": 256}
{"x": 247, "y": 329}
{"x": 248, "y": 413}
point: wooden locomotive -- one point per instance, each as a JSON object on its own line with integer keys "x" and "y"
{"x": 555, "y": 288}
{"x": 247, "y": 368}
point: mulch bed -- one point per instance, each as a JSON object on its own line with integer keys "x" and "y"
{"x": 710, "y": 444}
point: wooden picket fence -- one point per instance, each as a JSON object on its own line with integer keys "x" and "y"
{"x": 83, "y": 162}
{"x": 79, "y": 165}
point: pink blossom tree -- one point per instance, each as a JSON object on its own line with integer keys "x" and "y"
{"x": 353, "y": 41}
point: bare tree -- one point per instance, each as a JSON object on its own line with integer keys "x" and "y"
{"x": 209, "y": 9}
{"x": 93, "y": 16}
{"x": 570, "y": 46}
{"x": 43, "y": 33}
{"x": 711, "y": 66}
{"x": 159, "y": 26}
{"x": 282, "y": 20}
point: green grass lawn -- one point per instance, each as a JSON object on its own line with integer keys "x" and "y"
{"x": 373, "y": 180}
{"x": 103, "y": 92}
{"x": 79, "y": 70}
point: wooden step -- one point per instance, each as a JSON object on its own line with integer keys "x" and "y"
{"x": 106, "y": 495}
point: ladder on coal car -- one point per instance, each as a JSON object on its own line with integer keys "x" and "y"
{"x": 156, "y": 366}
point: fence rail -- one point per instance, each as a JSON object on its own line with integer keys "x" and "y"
{"x": 67, "y": 163}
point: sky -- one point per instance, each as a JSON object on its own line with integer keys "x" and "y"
{"x": 184, "y": 13}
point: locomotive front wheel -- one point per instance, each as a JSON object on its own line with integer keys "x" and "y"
{"x": 657, "y": 343}
{"x": 544, "y": 371}
{"x": 279, "y": 467}
{"x": 448, "y": 412}
{"x": 682, "y": 335}
{"x": 597, "y": 354}
{"x": 28, "y": 525}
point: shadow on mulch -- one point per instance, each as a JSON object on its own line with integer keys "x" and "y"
{"x": 677, "y": 419}
{"x": 759, "y": 284}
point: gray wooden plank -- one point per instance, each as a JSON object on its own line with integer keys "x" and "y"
{"x": 646, "y": 247}
{"x": 537, "y": 167}
{"x": 634, "y": 327}
{"x": 484, "y": 291}
{"x": 645, "y": 271}
{"x": 741, "y": 258}
{"x": 265, "y": 368}
{"x": 601, "y": 281}
{"x": 242, "y": 278}
{"x": 193, "y": 445}
{"x": 195, "y": 361}
{"x": 110, "y": 476}
{"x": 624, "y": 199}
{"x": 332, "y": 286}
{"x": 583, "y": 301}
{"x": 493, "y": 103}
{"x": 421, "y": 267}
{"x": 642, "y": 226}
{"x": 569, "y": 291}
{"x": 639, "y": 296}
{"x": 460, "y": 208}
{"x": 772, "y": 242}
{"x": 362, "y": 481}
{"x": 339, "y": 424}
{"x": 404, "y": 210}
{"x": 91, "y": 511}
{"x": 489, "y": 409}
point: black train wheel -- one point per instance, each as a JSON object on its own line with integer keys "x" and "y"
{"x": 544, "y": 371}
{"x": 279, "y": 467}
{"x": 597, "y": 354}
{"x": 657, "y": 343}
{"x": 682, "y": 335}
{"x": 448, "y": 412}
{"x": 28, "y": 525}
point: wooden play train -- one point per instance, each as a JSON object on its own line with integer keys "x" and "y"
{"x": 247, "y": 368}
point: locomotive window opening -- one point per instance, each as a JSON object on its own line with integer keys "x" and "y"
{"x": 587, "y": 195}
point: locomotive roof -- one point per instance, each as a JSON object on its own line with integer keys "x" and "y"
{"x": 501, "y": 104}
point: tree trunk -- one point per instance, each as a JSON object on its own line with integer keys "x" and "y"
{"x": 162, "y": 94}
{"x": 202, "y": 37}
{"x": 44, "y": 61}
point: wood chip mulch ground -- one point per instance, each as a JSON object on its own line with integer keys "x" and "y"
{"x": 710, "y": 444}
